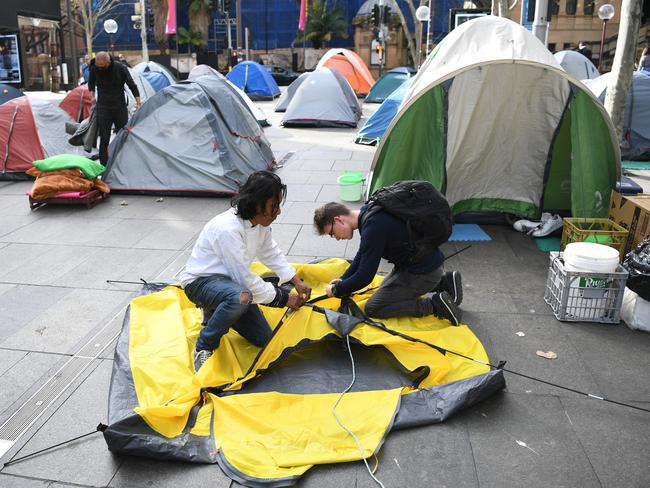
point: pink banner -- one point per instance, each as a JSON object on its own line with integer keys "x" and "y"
{"x": 170, "y": 26}
{"x": 302, "y": 22}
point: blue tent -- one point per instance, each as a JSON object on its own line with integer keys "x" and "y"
{"x": 8, "y": 92}
{"x": 156, "y": 74}
{"x": 255, "y": 80}
{"x": 374, "y": 128}
{"x": 388, "y": 83}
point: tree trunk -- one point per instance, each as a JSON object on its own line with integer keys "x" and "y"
{"x": 159, "y": 22}
{"x": 501, "y": 8}
{"x": 200, "y": 22}
{"x": 623, "y": 67}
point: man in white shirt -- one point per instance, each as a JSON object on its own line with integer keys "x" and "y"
{"x": 217, "y": 276}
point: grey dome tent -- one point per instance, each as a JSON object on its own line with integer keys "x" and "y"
{"x": 493, "y": 121}
{"x": 288, "y": 94}
{"x": 323, "y": 99}
{"x": 635, "y": 143}
{"x": 190, "y": 138}
{"x": 577, "y": 65}
{"x": 205, "y": 70}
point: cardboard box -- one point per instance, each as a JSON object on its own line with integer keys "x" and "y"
{"x": 633, "y": 213}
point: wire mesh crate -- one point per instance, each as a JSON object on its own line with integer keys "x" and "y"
{"x": 600, "y": 231}
{"x": 579, "y": 296}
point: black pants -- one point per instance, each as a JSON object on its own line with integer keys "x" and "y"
{"x": 107, "y": 116}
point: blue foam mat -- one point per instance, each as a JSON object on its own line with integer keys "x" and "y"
{"x": 468, "y": 232}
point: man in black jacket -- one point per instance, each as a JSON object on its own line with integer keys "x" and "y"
{"x": 401, "y": 292}
{"x": 109, "y": 77}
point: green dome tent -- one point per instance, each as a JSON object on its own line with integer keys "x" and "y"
{"x": 493, "y": 121}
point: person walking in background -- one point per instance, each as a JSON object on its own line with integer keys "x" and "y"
{"x": 109, "y": 77}
{"x": 85, "y": 69}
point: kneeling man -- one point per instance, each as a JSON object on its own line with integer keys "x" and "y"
{"x": 217, "y": 276}
{"x": 400, "y": 293}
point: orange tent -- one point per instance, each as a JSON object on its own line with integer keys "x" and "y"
{"x": 19, "y": 140}
{"x": 77, "y": 103}
{"x": 352, "y": 67}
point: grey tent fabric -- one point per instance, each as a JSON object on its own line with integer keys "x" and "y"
{"x": 323, "y": 99}
{"x": 190, "y": 138}
{"x": 287, "y": 96}
{"x": 50, "y": 122}
{"x": 205, "y": 70}
{"x": 144, "y": 87}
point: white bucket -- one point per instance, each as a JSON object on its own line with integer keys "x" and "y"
{"x": 588, "y": 257}
{"x": 351, "y": 185}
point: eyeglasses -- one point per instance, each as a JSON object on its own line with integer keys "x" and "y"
{"x": 331, "y": 233}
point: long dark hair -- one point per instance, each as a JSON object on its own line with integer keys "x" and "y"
{"x": 259, "y": 187}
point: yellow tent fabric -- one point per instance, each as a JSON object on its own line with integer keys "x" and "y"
{"x": 273, "y": 435}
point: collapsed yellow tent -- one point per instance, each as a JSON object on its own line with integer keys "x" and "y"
{"x": 267, "y": 415}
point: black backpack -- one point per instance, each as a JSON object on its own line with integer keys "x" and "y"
{"x": 425, "y": 211}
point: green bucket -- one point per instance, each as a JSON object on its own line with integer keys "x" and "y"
{"x": 351, "y": 186}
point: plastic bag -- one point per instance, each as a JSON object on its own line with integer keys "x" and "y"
{"x": 637, "y": 264}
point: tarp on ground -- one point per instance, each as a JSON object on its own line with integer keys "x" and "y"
{"x": 255, "y": 80}
{"x": 31, "y": 129}
{"x": 203, "y": 70}
{"x": 266, "y": 415}
{"x": 576, "y": 65}
{"x": 8, "y": 92}
{"x": 351, "y": 66}
{"x": 323, "y": 99}
{"x": 635, "y": 141}
{"x": 493, "y": 121}
{"x": 156, "y": 74}
{"x": 191, "y": 138}
{"x": 388, "y": 83}
{"x": 375, "y": 127}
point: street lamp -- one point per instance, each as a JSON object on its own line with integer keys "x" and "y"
{"x": 605, "y": 13}
{"x": 422, "y": 14}
{"x": 110, "y": 27}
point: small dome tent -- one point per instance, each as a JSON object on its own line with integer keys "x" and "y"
{"x": 285, "y": 98}
{"x": 212, "y": 146}
{"x": 576, "y": 65}
{"x": 351, "y": 66}
{"x": 255, "y": 80}
{"x": 156, "y": 74}
{"x": 375, "y": 127}
{"x": 205, "y": 70}
{"x": 493, "y": 121}
{"x": 323, "y": 99}
{"x": 635, "y": 142}
{"x": 388, "y": 83}
{"x": 30, "y": 129}
{"x": 77, "y": 103}
{"x": 8, "y": 92}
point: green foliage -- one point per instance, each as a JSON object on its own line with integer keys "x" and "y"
{"x": 197, "y": 6}
{"x": 324, "y": 24}
{"x": 187, "y": 36}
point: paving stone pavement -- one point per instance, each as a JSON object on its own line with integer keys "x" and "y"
{"x": 55, "y": 302}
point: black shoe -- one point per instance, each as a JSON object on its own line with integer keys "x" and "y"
{"x": 455, "y": 286}
{"x": 445, "y": 308}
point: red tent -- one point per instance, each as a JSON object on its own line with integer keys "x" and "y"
{"x": 77, "y": 103}
{"x": 19, "y": 140}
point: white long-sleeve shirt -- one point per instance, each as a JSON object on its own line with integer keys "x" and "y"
{"x": 227, "y": 245}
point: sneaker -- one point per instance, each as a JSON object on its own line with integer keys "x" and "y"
{"x": 445, "y": 308}
{"x": 529, "y": 226}
{"x": 451, "y": 282}
{"x": 549, "y": 227}
{"x": 200, "y": 357}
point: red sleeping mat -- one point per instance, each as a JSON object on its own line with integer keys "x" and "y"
{"x": 88, "y": 198}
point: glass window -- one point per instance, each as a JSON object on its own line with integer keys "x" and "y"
{"x": 571, "y": 7}
{"x": 589, "y": 6}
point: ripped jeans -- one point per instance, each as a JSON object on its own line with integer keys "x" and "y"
{"x": 226, "y": 305}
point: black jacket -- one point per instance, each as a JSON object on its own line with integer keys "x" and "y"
{"x": 110, "y": 83}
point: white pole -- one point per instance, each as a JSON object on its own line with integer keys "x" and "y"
{"x": 143, "y": 31}
{"x": 540, "y": 22}
{"x": 246, "y": 41}
{"x": 429, "y": 39}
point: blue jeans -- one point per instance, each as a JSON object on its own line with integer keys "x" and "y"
{"x": 221, "y": 300}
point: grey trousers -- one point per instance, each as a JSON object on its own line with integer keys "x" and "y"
{"x": 400, "y": 294}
